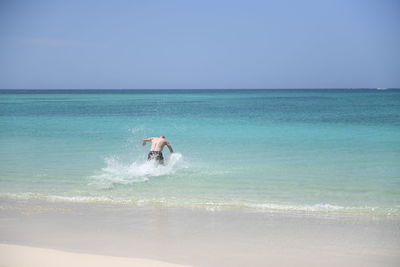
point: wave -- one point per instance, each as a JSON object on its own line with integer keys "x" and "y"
{"x": 118, "y": 172}
{"x": 320, "y": 208}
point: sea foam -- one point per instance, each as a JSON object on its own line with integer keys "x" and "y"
{"x": 118, "y": 172}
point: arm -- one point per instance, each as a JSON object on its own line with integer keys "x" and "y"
{"x": 147, "y": 140}
{"x": 170, "y": 147}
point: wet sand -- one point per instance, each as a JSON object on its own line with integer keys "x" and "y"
{"x": 200, "y": 237}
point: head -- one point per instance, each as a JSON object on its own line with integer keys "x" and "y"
{"x": 162, "y": 136}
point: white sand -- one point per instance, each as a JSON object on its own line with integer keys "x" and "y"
{"x": 196, "y": 237}
{"x": 22, "y": 256}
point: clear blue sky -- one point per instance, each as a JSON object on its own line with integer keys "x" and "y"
{"x": 199, "y": 44}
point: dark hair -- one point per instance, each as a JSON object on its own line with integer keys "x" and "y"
{"x": 162, "y": 136}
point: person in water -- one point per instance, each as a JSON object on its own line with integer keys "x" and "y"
{"x": 157, "y": 145}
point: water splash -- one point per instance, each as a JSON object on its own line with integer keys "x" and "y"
{"x": 118, "y": 172}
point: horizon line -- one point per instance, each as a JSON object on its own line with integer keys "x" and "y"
{"x": 298, "y": 88}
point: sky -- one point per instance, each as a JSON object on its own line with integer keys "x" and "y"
{"x": 204, "y": 44}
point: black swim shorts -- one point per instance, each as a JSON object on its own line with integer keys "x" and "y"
{"x": 157, "y": 155}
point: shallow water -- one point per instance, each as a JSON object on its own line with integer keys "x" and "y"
{"x": 294, "y": 150}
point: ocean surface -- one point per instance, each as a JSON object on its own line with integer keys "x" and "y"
{"x": 334, "y": 151}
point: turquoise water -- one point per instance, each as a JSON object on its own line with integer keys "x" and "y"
{"x": 290, "y": 150}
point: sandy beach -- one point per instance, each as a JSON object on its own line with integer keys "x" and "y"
{"x": 12, "y": 255}
{"x": 160, "y": 236}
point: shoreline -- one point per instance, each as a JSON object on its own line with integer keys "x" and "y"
{"x": 201, "y": 237}
{"x": 322, "y": 209}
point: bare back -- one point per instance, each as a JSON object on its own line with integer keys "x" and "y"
{"x": 158, "y": 143}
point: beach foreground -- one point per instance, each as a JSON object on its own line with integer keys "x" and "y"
{"x": 12, "y": 255}
{"x": 195, "y": 237}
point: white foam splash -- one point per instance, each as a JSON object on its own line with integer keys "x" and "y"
{"x": 117, "y": 172}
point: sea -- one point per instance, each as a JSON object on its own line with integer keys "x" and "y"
{"x": 333, "y": 151}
